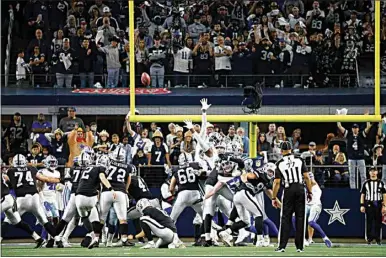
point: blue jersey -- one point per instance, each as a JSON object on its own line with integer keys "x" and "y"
{"x": 234, "y": 184}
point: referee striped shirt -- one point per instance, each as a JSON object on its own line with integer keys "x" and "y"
{"x": 290, "y": 169}
{"x": 373, "y": 190}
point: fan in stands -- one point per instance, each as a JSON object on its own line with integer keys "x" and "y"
{"x": 145, "y": 79}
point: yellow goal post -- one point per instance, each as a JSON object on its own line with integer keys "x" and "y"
{"x": 254, "y": 119}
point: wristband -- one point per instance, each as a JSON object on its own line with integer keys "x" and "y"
{"x": 274, "y": 198}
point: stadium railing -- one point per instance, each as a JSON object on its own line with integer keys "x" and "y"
{"x": 48, "y": 80}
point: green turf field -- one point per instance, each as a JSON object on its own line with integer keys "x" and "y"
{"x": 313, "y": 250}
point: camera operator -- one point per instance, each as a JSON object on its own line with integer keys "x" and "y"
{"x": 175, "y": 22}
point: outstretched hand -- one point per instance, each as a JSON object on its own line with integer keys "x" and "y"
{"x": 188, "y": 124}
{"x": 204, "y": 104}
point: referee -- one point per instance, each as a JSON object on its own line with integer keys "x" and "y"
{"x": 292, "y": 172}
{"x": 373, "y": 204}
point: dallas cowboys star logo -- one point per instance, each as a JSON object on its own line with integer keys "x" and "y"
{"x": 336, "y": 213}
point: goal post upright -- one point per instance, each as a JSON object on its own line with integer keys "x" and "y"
{"x": 377, "y": 60}
{"x": 132, "y": 57}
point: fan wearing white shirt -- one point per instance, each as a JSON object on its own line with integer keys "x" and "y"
{"x": 21, "y": 67}
{"x": 183, "y": 64}
{"x": 222, "y": 61}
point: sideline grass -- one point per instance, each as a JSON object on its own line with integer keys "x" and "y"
{"x": 313, "y": 250}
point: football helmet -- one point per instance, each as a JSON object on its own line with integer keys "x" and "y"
{"x": 103, "y": 161}
{"x": 248, "y": 165}
{"x": 50, "y": 162}
{"x": 119, "y": 154}
{"x": 184, "y": 159}
{"x": 90, "y": 152}
{"x": 214, "y": 138}
{"x": 235, "y": 148}
{"x": 19, "y": 161}
{"x": 221, "y": 147}
{"x": 84, "y": 160}
{"x": 269, "y": 170}
{"x": 226, "y": 167}
{"x": 142, "y": 204}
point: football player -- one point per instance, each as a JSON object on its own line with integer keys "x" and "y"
{"x": 8, "y": 206}
{"x": 23, "y": 181}
{"x": 86, "y": 197}
{"x": 247, "y": 205}
{"x": 49, "y": 197}
{"x": 156, "y": 222}
{"x": 313, "y": 210}
{"x": 118, "y": 173}
{"x": 186, "y": 178}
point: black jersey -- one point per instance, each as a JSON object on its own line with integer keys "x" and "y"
{"x": 4, "y": 186}
{"x": 202, "y": 61}
{"x": 34, "y": 159}
{"x": 117, "y": 174}
{"x": 75, "y": 175}
{"x": 89, "y": 181}
{"x": 138, "y": 189}
{"x": 158, "y": 154}
{"x": 317, "y": 25}
{"x": 212, "y": 178}
{"x": 23, "y": 180}
{"x": 161, "y": 217}
{"x": 257, "y": 185}
{"x": 186, "y": 177}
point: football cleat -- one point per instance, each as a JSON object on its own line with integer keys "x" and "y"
{"x": 127, "y": 243}
{"x": 40, "y": 242}
{"x": 327, "y": 242}
{"x": 207, "y": 243}
{"x": 306, "y": 243}
{"x": 59, "y": 244}
{"x": 267, "y": 241}
{"x": 149, "y": 245}
{"x": 66, "y": 244}
{"x": 50, "y": 243}
{"x": 279, "y": 250}
{"x": 226, "y": 238}
{"x": 93, "y": 244}
{"x": 86, "y": 241}
{"x": 299, "y": 250}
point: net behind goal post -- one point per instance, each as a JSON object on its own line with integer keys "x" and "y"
{"x": 276, "y": 116}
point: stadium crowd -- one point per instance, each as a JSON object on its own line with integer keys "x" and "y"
{"x": 293, "y": 43}
{"x": 347, "y": 150}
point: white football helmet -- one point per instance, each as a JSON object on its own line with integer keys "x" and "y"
{"x": 84, "y": 160}
{"x": 214, "y": 138}
{"x": 235, "y": 148}
{"x": 184, "y": 158}
{"x": 50, "y": 162}
{"x": 221, "y": 147}
{"x": 119, "y": 154}
{"x": 142, "y": 204}
{"x": 226, "y": 167}
{"x": 248, "y": 165}
{"x": 103, "y": 161}
{"x": 19, "y": 161}
{"x": 90, "y": 152}
{"x": 269, "y": 170}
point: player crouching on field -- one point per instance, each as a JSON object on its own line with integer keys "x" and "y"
{"x": 158, "y": 223}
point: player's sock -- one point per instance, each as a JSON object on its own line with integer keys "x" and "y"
{"x": 97, "y": 226}
{"x": 123, "y": 231}
{"x": 208, "y": 226}
{"x": 61, "y": 225}
{"x": 272, "y": 227}
{"x": 220, "y": 219}
{"x": 137, "y": 226}
{"x": 197, "y": 232}
{"x": 70, "y": 227}
{"x": 233, "y": 216}
{"x": 237, "y": 226}
{"x": 146, "y": 229}
{"x": 44, "y": 233}
{"x": 259, "y": 225}
{"x": 50, "y": 229}
{"x": 35, "y": 236}
{"x": 316, "y": 226}
{"x": 87, "y": 224}
{"x": 24, "y": 226}
{"x": 110, "y": 237}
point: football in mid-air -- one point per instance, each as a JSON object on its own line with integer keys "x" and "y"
{"x": 145, "y": 79}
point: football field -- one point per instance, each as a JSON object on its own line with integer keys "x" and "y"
{"x": 313, "y": 250}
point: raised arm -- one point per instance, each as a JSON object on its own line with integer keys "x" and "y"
{"x": 204, "y": 108}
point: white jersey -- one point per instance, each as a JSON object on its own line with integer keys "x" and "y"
{"x": 20, "y": 69}
{"x": 49, "y": 189}
{"x": 222, "y": 62}
{"x": 182, "y": 59}
{"x": 316, "y": 195}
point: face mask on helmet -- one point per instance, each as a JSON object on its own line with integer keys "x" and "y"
{"x": 84, "y": 160}
{"x": 142, "y": 204}
{"x": 19, "y": 161}
{"x": 248, "y": 165}
{"x": 119, "y": 154}
{"x": 51, "y": 162}
{"x": 103, "y": 161}
{"x": 227, "y": 167}
{"x": 90, "y": 152}
{"x": 269, "y": 170}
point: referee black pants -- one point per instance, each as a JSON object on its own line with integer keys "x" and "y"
{"x": 373, "y": 217}
{"x": 293, "y": 200}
